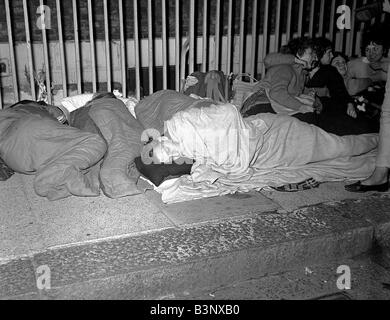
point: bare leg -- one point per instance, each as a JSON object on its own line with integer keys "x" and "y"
{"x": 379, "y": 176}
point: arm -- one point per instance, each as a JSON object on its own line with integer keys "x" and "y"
{"x": 355, "y": 85}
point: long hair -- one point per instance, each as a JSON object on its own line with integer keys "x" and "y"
{"x": 297, "y": 46}
{"x": 321, "y": 45}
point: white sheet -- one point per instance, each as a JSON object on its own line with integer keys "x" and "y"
{"x": 235, "y": 154}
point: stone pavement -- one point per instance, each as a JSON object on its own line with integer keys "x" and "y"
{"x": 138, "y": 247}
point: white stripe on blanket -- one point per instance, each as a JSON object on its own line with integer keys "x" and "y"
{"x": 234, "y": 154}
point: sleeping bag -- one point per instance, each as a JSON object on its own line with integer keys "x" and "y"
{"x": 32, "y": 141}
{"x": 110, "y": 118}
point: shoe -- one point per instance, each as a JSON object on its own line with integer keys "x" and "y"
{"x": 359, "y": 187}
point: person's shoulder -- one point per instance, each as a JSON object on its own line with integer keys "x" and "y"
{"x": 281, "y": 68}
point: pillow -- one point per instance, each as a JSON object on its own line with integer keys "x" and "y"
{"x": 158, "y": 173}
{"x": 75, "y": 102}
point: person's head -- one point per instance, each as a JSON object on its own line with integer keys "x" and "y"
{"x": 323, "y": 48}
{"x": 340, "y": 61}
{"x": 302, "y": 49}
{"x": 375, "y": 43}
{"x": 100, "y": 95}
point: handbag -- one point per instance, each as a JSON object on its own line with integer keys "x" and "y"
{"x": 242, "y": 90}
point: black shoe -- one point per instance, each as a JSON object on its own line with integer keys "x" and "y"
{"x": 359, "y": 187}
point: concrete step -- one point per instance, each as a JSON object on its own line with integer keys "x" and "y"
{"x": 368, "y": 281}
{"x": 201, "y": 256}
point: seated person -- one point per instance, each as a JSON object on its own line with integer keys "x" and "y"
{"x": 339, "y": 115}
{"x": 285, "y": 80}
{"x": 285, "y": 84}
{"x": 364, "y": 71}
{"x": 326, "y": 76}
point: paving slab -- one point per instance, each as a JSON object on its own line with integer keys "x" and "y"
{"x": 214, "y": 209}
{"x": 74, "y": 220}
{"x": 327, "y": 192}
{"x": 20, "y": 230}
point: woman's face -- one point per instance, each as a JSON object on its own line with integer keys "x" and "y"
{"x": 308, "y": 58}
{"x": 340, "y": 64}
{"x": 327, "y": 57}
{"x": 374, "y": 52}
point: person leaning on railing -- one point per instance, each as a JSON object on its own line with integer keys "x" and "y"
{"x": 379, "y": 180}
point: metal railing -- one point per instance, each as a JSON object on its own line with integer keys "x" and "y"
{"x": 223, "y": 40}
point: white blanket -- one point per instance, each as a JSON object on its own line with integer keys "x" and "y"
{"x": 235, "y": 154}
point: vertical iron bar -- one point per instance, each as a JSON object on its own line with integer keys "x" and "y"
{"x": 47, "y": 60}
{"x": 192, "y": 36}
{"x": 312, "y": 14}
{"x": 265, "y": 35}
{"x": 136, "y": 53}
{"x": 29, "y": 50}
{"x": 11, "y": 51}
{"x": 92, "y": 45}
{"x": 62, "y": 49}
{"x": 332, "y": 22}
{"x": 123, "y": 49}
{"x": 289, "y": 14}
{"x": 108, "y": 47}
{"x": 77, "y": 46}
{"x": 164, "y": 44}
{"x": 150, "y": 45}
{"x": 277, "y": 25}
{"x": 205, "y": 36}
{"x": 254, "y": 38}
{"x": 217, "y": 34}
{"x": 229, "y": 40}
{"x": 242, "y": 36}
{"x": 300, "y": 19}
{"x": 322, "y": 15}
{"x": 178, "y": 47}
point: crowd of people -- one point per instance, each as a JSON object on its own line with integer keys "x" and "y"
{"x": 308, "y": 80}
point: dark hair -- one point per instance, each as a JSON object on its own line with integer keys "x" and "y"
{"x": 339, "y": 54}
{"x": 297, "y": 46}
{"x": 321, "y": 45}
{"x": 378, "y": 35}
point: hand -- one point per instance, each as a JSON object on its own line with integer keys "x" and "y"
{"x": 386, "y": 6}
{"x": 351, "y": 111}
{"x": 318, "y": 107}
{"x": 305, "y": 108}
